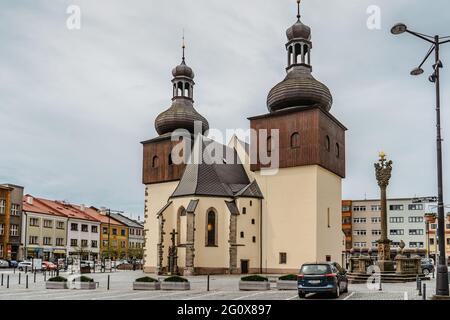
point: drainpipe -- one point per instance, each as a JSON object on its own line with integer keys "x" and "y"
{"x": 260, "y": 238}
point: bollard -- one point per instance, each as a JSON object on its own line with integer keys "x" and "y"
{"x": 34, "y": 277}
{"x": 417, "y": 282}
{"x": 420, "y": 288}
{"x": 19, "y": 277}
{"x": 14, "y": 270}
{"x": 424, "y": 296}
{"x": 45, "y": 276}
{"x": 2, "y": 279}
{"x": 7, "y": 282}
{"x": 108, "y": 282}
{"x": 207, "y": 286}
{"x": 26, "y": 281}
{"x": 380, "y": 288}
{"x": 26, "y": 269}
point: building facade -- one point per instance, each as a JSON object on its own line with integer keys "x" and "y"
{"x": 136, "y": 238}
{"x": 11, "y": 222}
{"x": 406, "y": 222}
{"x": 237, "y": 215}
{"x": 431, "y": 231}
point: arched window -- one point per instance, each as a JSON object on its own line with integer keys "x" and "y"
{"x": 295, "y": 140}
{"x": 181, "y": 229}
{"x": 155, "y": 162}
{"x": 338, "y": 151}
{"x": 180, "y": 89}
{"x": 327, "y": 143}
{"x": 186, "y": 90}
{"x": 298, "y": 53}
{"x": 291, "y": 55}
{"x": 269, "y": 145}
{"x": 244, "y": 210}
{"x": 174, "y": 89}
{"x": 211, "y": 229}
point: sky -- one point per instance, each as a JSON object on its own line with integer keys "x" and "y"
{"x": 76, "y": 103}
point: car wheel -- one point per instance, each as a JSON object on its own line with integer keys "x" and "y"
{"x": 337, "y": 293}
{"x": 301, "y": 295}
{"x": 426, "y": 272}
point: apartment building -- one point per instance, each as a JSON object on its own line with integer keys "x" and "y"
{"x": 432, "y": 242}
{"x": 11, "y": 221}
{"x": 406, "y": 222}
{"x": 44, "y": 230}
{"x": 135, "y": 235}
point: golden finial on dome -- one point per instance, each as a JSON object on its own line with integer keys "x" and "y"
{"x": 382, "y": 155}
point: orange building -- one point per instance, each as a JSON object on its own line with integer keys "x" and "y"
{"x": 347, "y": 223}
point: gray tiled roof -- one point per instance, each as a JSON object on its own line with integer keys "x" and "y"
{"x": 208, "y": 177}
{"x": 232, "y": 207}
{"x": 252, "y": 190}
{"x": 126, "y": 221}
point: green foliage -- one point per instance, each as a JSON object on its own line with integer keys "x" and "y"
{"x": 176, "y": 279}
{"x": 254, "y": 278}
{"x": 58, "y": 279}
{"x": 146, "y": 279}
{"x": 83, "y": 279}
{"x": 288, "y": 277}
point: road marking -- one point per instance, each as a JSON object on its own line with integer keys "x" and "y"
{"x": 118, "y": 296}
{"x": 160, "y": 296}
{"x": 250, "y": 295}
{"x": 349, "y": 296}
{"x": 292, "y": 298}
{"x": 25, "y": 292}
{"x": 406, "y": 295}
{"x": 202, "y": 296}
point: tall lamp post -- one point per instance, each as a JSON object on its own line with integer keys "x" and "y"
{"x": 442, "y": 287}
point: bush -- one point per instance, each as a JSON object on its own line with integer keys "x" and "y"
{"x": 83, "y": 279}
{"x": 176, "y": 279}
{"x": 146, "y": 279}
{"x": 58, "y": 279}
{"x": 288, "y": 277}
{"x": 254, "y": 278}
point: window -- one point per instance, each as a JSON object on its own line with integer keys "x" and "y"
{"x": 346, "y": 208}
{"x": 123, "y": 232}
{"x": 375, "y": 207}
{"x": 73, "y": 242}
{"x": 360, "y": 244}
{"x": 15, "y": 209}
{"x": 359, "y": 220}
{"x": 84, "y": 243}
{"x": 396, "y": 207}
{"x": 2, "y": 228}
{"x": 295, "y": 140}
{"x": 338, "y": 151}
{"x": 94, "y": 229}
{"x": 415, "y": 219}
{"x": 327, "y": 143}
{"x": 253, "y": 221}
{"x": 397, "y": 232}
{"x": 328, "y": 218}
{"x": 60, "y": 242}
{"x": 114, "y": 231}
{"x": 14, "y": 230}
{"x": 447, "y": 226}
{"x": 283, "y": 257}
{"x": 448, "y": 241}
{"x": 60, "y": 225}
{"x": 84, "y": 228}
{"x": 131, "y": 232}
{"x": 328, "y": 259}
{"x": 242, "y": 234}
{"x": 48, "y": 223}
{"x": 375, "y": 219}
{"x": 433, "y": 226}
{"x": 105, "y": 230}
{"x": 33, "y": 240}
{"x": 374, "y": 244}
{"x": 395, "y": 244}
{"x": 34, "y": 222}
{"x": 74, "y": 226}
{"x": 122, "y": 244}
{"x": 47, "y": 241}
{"x": 415, "y": 206}
{"x": 244, "y": 210}
{"x": 415, "y": 232}
{"x": 211, "y": 229}
{"x": 114, "y": 243}
{"x": 416, "y": 244}
{"x": 94, "y": 244}
{"x": 432, "y": 241}
{"x": 376, "y": 232}
{"x": 360, "y": 232}
{"x": 396, "y": 219}
{"x": 251, "y": 203}
{"x": 359, "y": 208}
{"x": 105, "y": 243}
{"x": 254, "y": 239}
{"x": 2, "y": 206}
{"x": 155, "y": 162}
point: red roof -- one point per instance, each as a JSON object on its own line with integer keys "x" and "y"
{"x": 38, "y": 206}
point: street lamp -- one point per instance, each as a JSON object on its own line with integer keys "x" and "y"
{"x": 442, "y": 287}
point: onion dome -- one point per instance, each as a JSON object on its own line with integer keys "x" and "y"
{"x": 299, "y": 88}
{"x": 181, "y": 114}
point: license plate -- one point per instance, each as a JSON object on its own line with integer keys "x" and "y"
{"x": 314, "y": 281}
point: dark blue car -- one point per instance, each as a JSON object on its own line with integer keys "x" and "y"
{"x": 326, "y": 277}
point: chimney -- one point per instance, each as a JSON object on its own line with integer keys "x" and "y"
{"x": 103, "y": 210}
{"x": 82, "y": 207}
{"x": 29, "y": 199}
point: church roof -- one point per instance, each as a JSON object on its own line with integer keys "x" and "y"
{"x": 161, "y": 211}
{"x": 252, "y": 191}
{"x": 192, "y": 206}
{"x": 218, "y": 175}
{"x": 232, "y": 207}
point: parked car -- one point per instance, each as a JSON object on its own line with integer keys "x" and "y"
{"x": 4, "y": 263}
{"x": 324, "y": 277}
{"x": 25, "y": 264}
{"x": 48, "y": 266}
{"x": 427, "y": 266}
{"x": 13, "y": 263}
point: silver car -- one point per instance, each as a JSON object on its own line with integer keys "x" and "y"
{"x": 4, "y": 263}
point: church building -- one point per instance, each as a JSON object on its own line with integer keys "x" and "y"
{"x": 233, "y": 216}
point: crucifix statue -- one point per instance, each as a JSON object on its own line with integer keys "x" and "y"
{"x": 173, "y": 268}
{"x": 383, "y": 171}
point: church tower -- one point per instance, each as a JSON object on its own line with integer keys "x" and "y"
{"x": 302, "y": 200}
{"x": 160, "y": 174}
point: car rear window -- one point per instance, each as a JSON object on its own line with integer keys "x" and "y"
{"x": 315, "y": 269}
